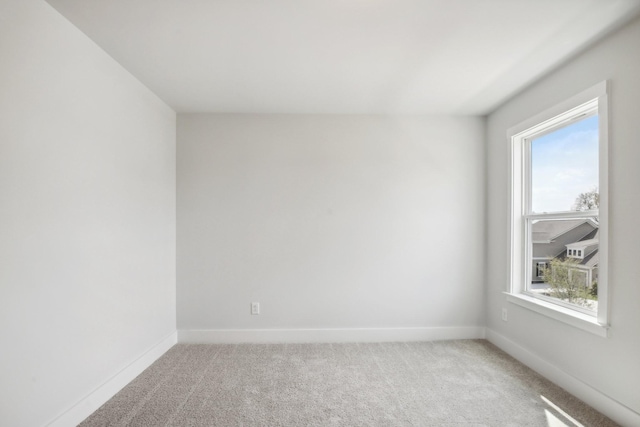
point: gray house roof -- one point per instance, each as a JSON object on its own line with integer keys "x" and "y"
{"x": 548, "y": 232}
{"x": 545, "y": 231}
{"x": 590, "y": 239}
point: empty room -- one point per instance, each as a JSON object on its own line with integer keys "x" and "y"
{"x": 319, "y": 213}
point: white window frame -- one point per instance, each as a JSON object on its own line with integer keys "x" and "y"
{"x": 519, "y": 136}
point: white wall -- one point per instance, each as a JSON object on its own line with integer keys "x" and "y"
{"x": 611, "y": 365}
{"x": 87, "y": 215}
{"x": 329, "y": 221}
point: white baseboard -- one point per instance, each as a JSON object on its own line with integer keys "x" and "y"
{"x": 613, "y": 409}
{"x": 230, "y": 336}
{"x": 86, "y": 406}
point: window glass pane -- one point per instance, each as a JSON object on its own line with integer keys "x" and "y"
{"x": 564, "y": 168}
{"x": 557, "y": 274}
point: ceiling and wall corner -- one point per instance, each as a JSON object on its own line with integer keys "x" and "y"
{"x": 342, "y": 57}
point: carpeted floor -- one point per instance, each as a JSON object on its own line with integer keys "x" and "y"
{"x": 444, "y": 383}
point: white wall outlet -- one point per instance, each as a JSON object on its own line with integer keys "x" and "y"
{"x": 504, "y": 314}
{"x": 255, "y": 308}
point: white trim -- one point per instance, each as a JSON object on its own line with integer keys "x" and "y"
{"x": 597, "y": 91}
{"x": 572, "y": 317}
{"x": 603, "y": 219}
{"x": 214, "y": 336}
{"x": 87, "y": 405}
{"x": 608, "y": 406}
{"x": 587, "y": 215}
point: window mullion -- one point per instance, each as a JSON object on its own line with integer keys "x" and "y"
{"x": 563, "y": 215}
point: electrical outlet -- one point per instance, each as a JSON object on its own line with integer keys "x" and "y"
{"x": 504, "y": 314}
{"x": 255, "y": 308}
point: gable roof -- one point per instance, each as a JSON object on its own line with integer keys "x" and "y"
{"x": 548, "y": 230}
{"x": 590, "y": 260}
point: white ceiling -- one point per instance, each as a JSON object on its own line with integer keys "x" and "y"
{"x": 342, "y": 56}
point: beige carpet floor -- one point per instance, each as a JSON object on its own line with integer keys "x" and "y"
{"x": 445, "y": 383}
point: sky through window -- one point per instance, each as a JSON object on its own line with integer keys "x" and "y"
{"x": 564, "y": 163}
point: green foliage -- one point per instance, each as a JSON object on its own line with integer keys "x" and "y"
{"x": 567, "y": 283}
{"x": 594, "y": 289}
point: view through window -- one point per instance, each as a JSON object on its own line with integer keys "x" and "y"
{"x": 561, "y": 213}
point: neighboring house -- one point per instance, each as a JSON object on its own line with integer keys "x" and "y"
{"x": 561, "y": 239}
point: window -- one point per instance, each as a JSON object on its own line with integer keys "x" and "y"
{"x": 540, "y": 269}
{"x": 559, "y": 211}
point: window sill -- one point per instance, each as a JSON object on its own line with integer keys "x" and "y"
{"x": 562, "y": 314}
